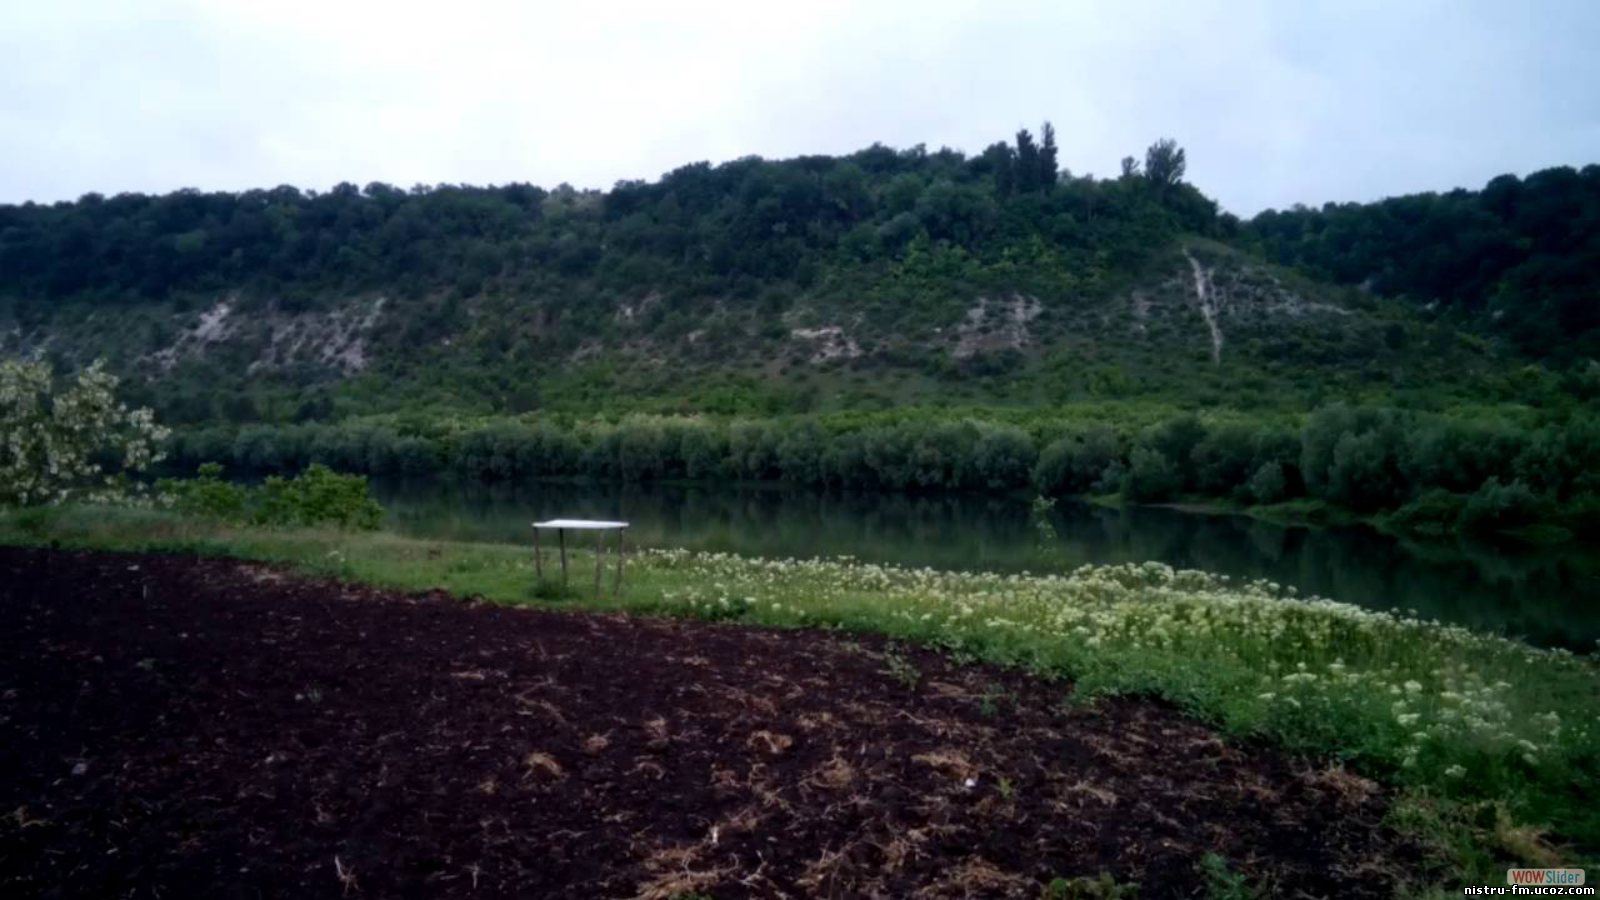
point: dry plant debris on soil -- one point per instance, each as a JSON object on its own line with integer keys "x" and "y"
{"x": 177, "y": 727}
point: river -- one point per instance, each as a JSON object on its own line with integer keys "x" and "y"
{"x": 1547, "y": 596}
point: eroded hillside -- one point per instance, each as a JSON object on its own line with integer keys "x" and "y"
{"x": 877, "y": 279}
{"x": 1198, "y": 318}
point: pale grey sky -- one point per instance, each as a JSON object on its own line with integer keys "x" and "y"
{"x": 1275, "y": 101}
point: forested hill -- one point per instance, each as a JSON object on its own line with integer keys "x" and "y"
{"x": 1520, "y": 257}
{"x": 882, "y": 278}
{"x": 734, "y": 228}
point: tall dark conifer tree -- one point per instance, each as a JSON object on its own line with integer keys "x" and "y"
{"x": 1027, "y": 163}
{"x": 1047, "y": 157}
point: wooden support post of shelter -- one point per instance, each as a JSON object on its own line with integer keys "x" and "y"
{"x": 561, "y": 527}
{"x": 616, "y": 585}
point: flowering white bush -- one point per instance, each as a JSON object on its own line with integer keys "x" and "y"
{"x": 77, "y": 444}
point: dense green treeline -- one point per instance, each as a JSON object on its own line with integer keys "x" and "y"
{"x": 510, "y": 299}
{"x": 1426, "y": 472}
{"x": 736, "y": 229}
{"x": 1521, "y": 256}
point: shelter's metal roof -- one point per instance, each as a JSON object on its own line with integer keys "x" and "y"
{"x": 581, "y": 524}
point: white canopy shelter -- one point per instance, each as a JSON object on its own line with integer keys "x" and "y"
{"x": 561, "y": 527}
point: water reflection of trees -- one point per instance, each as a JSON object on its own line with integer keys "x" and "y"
{"x": 1550, "y": 596}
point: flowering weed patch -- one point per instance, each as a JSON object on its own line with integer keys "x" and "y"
{"x": 1419, "y": 696}
{"x": 1463, "y": 717}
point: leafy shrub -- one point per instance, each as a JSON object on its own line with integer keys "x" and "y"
{"x": 1365, "y": 474}
{"x": 1083, "y": 888}
{"x": 1582, "y": 513}
{"x": 318, "y": 496}
{"x": 1151, "y": 476}
{"x": 207, "y": 495}
{"x": 1222, "y": 882}
{"x": 1459, "y": 455}
{"x": 800, "y": 455}
{"x": 703, "y": 452}
{"x": 1110, "y": 480}
{"x": 1319, "y": 437}
{"x": 641, "y": 453}
{"x": 1003, "y": 458}
{"x": 1502, "y": 507}
{"x": 1177, "y": 439}
{"x": 1075, "y": 464}
{"x": 1268, "y": 484}
{"x": 1562, "y": 460}
{"x": 1222, "y": 459}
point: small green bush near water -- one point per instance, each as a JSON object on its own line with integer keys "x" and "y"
{"x": 207, "y": 495}
{"x": 317, "y": 496}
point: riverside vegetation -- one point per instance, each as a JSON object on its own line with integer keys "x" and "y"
{"x": 1494, "y": 744}
{"x": 896, "y": 319}
{"x": 1420, "y": 472}
{"x": 899, "y": 320}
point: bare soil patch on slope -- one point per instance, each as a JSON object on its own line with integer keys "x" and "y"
{"x": 180, "y": 727}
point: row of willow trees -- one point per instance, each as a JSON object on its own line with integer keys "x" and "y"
{"x": 1432, "y": 472}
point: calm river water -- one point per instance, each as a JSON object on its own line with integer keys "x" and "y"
{"x": 1550, "y": 597}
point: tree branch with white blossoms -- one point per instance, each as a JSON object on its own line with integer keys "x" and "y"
{"x": 76, "y": 444}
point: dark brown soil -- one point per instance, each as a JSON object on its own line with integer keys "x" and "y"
{"x": 173, "y": 727}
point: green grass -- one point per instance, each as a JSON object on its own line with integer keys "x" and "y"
{"x": 1493, "y": 746}
{"x": 1222, "y": 882}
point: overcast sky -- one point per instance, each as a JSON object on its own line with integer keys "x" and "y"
{"x": 1276, "y": 101}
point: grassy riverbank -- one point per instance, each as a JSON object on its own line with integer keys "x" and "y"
{"x": 1493, "y": 745}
